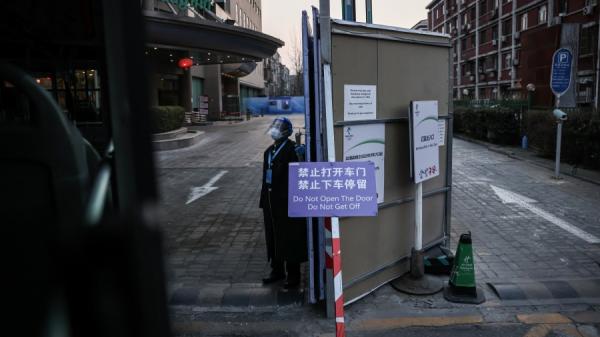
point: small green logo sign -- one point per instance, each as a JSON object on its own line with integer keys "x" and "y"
{"x": 205, "y": 5}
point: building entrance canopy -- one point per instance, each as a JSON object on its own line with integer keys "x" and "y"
{"x": 212, "y": 42}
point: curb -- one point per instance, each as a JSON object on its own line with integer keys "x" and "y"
{"x": 179, "y": 141}
{"x": 237, "y": 295}
{"x": 510, "y": 154}
{"x": 555, "y": 289}
{"x": 569, "y": 323}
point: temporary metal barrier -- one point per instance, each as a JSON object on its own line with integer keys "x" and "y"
{"x": 392, "y": 67}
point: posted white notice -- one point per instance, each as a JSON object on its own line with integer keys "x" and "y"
{"x": 442, "y": 134}
{"x": 360, "y": 102}
{"x": 367, "y": 143}
{"x": 425, "y": 144}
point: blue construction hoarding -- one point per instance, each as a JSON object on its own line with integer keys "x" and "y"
{"x": 277, "y": 105}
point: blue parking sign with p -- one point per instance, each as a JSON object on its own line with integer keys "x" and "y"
{"x": 560, "y": 79}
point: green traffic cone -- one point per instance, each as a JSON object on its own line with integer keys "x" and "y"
{"x": 461, "y": 287}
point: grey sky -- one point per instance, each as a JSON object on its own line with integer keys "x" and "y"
{"x": 281, "y": 18}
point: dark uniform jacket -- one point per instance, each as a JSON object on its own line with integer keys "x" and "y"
{"x": 286, "y": 237}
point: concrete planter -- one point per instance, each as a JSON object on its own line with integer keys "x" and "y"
{"x": 177, "y": 139}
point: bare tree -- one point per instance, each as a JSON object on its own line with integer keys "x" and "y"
{"x": 297, "y": 80}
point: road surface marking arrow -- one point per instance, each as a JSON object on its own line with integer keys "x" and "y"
{"x": 198, "y": 192}
{"x": 509, "y": 197}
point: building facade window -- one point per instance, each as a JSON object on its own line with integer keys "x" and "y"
{"x": 524, "y": 21}
{"x": 483, "y": 7}
{"x": 506, "y": 28}
{"x": 483, "y": 36}
{"x": 491, "y": 63}
{"x": 588, "y": 40}
{"x": 543, "y": 14}
{"x": 563, "y": 6}
{"x": 507, "y": 61}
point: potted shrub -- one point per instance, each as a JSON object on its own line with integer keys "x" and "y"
{"x": 167, "y": 118}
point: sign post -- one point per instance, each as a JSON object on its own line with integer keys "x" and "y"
{"x": 425, "y": 157}
{"x": 332, "y": 190}
{"x": 559, "y": 124}
{"x": 560, "y": 81}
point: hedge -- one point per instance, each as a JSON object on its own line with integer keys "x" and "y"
{"x": 580, "y": 139}
{"x": 167, "y": 118}
{"x": 506, "y": 125}
{"x": 499, "y": 124}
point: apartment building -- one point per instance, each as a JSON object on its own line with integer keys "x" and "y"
{"x": 421, "y": 25}
{"x": 504, "y": 48}
{"x": 277, "y": 77}
{"x": 224, "y": 40}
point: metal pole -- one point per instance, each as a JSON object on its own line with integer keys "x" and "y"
{"x": 326, "y": 103}
{"x": 596, "y": 98}
{"x": 477, "y": 64}
{"x": 419, "y": 217}
{"x": 335, "y": 245}
{"x": 349, "y": 10}
{"x": 558, "y": 144}
{"x": 318, "y": 136}
{"x": 416, "y": 282}
{"x": 369, "y": 9}
{"x": 325, "y": 31}
{"x": 308, "y": 141}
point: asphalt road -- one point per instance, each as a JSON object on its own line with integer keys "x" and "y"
{"x": 526, "y": 227}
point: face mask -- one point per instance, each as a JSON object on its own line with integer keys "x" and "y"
{"x": 275, "y": 133}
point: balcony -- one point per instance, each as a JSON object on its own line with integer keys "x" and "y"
{"x": 487, "y": 47}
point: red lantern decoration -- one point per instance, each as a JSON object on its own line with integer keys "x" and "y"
{"x": 185, "y": 63}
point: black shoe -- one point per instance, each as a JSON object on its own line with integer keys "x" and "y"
{"x": 273, "y": 277}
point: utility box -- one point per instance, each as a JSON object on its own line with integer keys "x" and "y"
{"x": 376, "y": 71}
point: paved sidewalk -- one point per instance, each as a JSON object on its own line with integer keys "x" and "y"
{"x": 398, "y": 319}
{"x": 521, "y": 241}
{"x": 531, "y": 157}
{"x": 215, "y": 243}
{"x": 516, "y": 212}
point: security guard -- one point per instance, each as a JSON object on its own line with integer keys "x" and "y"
{"x": 286, "y": 237}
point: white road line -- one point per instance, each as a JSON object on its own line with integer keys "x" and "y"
{"x": 198, "y": 192}
{"x": 509, "y": 197}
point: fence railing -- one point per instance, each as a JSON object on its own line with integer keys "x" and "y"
{"x": 488, "y": 103}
